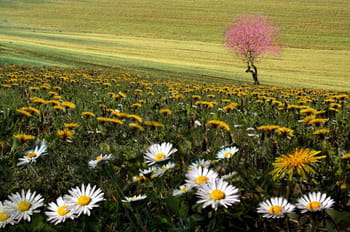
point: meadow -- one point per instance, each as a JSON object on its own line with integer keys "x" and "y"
{"x": 179, "y": 38}
{"x": 98, "y": 125}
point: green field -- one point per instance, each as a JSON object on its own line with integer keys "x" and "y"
{"x": 179, "y": 38}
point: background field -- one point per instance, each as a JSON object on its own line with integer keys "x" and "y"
{"x": 179, "y": 38}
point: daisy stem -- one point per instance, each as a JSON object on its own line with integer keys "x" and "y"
{"x": 212, "y": 227}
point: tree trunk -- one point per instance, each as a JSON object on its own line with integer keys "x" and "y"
{"x": 254, "y": 72}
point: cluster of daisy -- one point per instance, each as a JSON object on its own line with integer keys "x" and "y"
{"x": 277, "y": 207}
{"x": 22, "y": 205}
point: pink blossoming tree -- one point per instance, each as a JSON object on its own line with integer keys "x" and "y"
{"x": 251, "y": 37}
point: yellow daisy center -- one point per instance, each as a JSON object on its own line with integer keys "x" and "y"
{"x": 275, "y": 210}
{"x": 23, "y": 206}
{"x": 159, "y": 157}
{"x": 62, "y": 210}
{"x": 228, "y": 154}
{"x": 183, "y": 189}
{"x": 3, "y": 217}
{"x": 217, "y": 194}
{"x": 313, "y": 205}
{"x": 31, "y": 155}
{"x": 84, "y": 200}
{"x": 133, "y": 198}
{"x": 99, "y": 158}
{"x": 201, "y": 180}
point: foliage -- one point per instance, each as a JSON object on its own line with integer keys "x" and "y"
{"x": 245, "y": 116}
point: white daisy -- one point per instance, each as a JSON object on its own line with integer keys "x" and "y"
{"x": 227, "y": 152}
{"x": 229, "y": 176}
{"x": 148, "y": 171}
{"x": 82, "y": 200}
{"x": 275, "y": 207}
{"x": 198, "y": 176}
{"x": 32, "y": 155}
{"x": 5, "y": 217}
{"x": 23, "y": 205}
{"x": 134, "y": 198}
{"x": 181, "y": 190}
{"x": 157, "y": 172}
{"x": 217, "y": 192}
{"x": 99, "y": 159}
{"x": 314, "y": 202}
{"x": 58, "y": 213}
{"x": 200, "y": 163}
{"x": 158, "y": 152}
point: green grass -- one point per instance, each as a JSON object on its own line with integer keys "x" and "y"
{"x": 179, "y": 38}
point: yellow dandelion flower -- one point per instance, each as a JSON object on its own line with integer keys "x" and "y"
{"x": 6, "y": 86}
{"x": 68, "y": 105}
{"x": 24, "y": 113}
{"x": 33, "y": 88}
{"x": 135, "y": 105}
{"x": 302, "y": 160}
{"x": 121, "y": 94}
{"x": 230, "y": 107}
{"x": 346, "y": 156}
{"x": 71, "y": 125}
{"x": 308, "y": 119}
{"x": 308, "y": 111}
{"x": 211, "y": 95}
{"x": 219, "y": 124}
{"x": 165, "y": 111}
{"x": 88, "y": 114}
{"x": 154, "y": 124}
{"x": 2, "y": 145}
{"x": 58, "y": 97}
{"x": 31, "y": 109}
{"x": 135, "y": 117}
{"x": 59, "y": 108}
{"x": 318, "y": 121}
{"x": 23, "y": 137}
{"x": 53, "y": 102}
{"x": 38, "y": 100}
{"x": 65, "y": 134}
{"x": 293, "y": 107}
{"x": 321, "y": 132}
{"x": 196, "y": 97}
{"x": 57, "y": 88}
{"x": 284, "y": 131}
{"x": 268, "y": 128}
{"x": 136, "y": 126}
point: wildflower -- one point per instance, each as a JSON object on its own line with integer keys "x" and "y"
{"x": 59, "y": 108}
{"x": 313, "y": 202}
{"x": 268, "y": 128}
{"x": 217, "y": 192}
{"x": 308, "y": 119}
{"x": 5, "y": 218}
{"x": 321, "y": 132}
{"x": 71, "y": 125}
{"x": 57, "y": 212}
{"x": 65, "y": 134}
{"x": 68, "y": 105}
{"x": 165, "y": 111}
{"x": 139, "y": 178}
{"x": 318, "y": 121}
{"x": 121, "y": 94}
{"x": 301, "y": 160}
{"x": 284, "y": 131}
{"x": 135, "y": 105}
{"x": 200, "y": 163}
{"x": 153, "y": 124}
{"x": 230, "y": 107}
{"x": 82, "y": 200}
{"x": 229, "y": 176}
{"x": 136, "y": 126}
{"x": 346, "y": 156}
{"x": 23, "y": 205}
{"x": 181, "y": 190}
{"x": 88, "y": 114}
{"x": 219, "y": 124}
{"x": 134, "y": 198}
{"x": 227, "y": 152}
{"x": 32, "y": 155}
{"x": 135, "y": 117}
{"x": 198, "y": 176}
{"x": 275, "y": 207}
{"x": 23, "y": 137}
{"x": 159, "y": 152}
{"x": 24, "y": 113}
{"x": 100, "y": 158}
{"x": 38, "y": 100}
{"x": 2, "y": 145}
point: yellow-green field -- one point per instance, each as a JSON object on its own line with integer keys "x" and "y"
{"x": 179, "y": 38}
